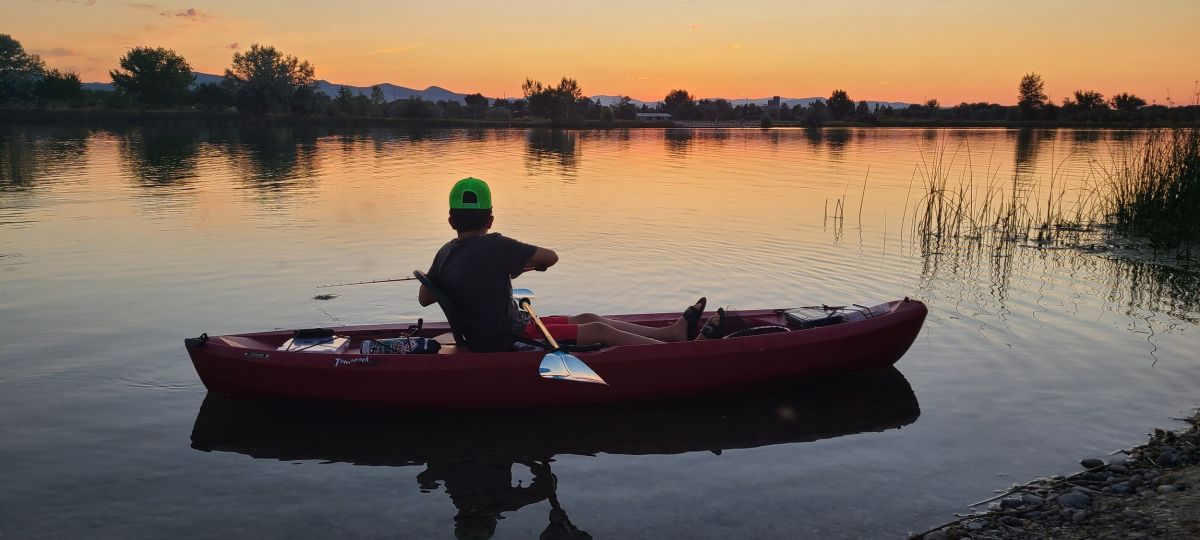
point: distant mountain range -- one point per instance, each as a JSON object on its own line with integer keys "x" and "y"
{"x": 436, "y": 93}
{"x": 391, "y": 91}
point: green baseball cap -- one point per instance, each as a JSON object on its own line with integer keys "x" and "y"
{"x": 470, "y": 193}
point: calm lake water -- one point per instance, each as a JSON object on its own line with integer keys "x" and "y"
{"x": 117, "y": 244}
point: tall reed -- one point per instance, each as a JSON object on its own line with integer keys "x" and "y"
{"x": 962, "y": 201}
{"x": 1155, "y": 188}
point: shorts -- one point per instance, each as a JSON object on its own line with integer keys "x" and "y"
{"x": 556, "y": 325}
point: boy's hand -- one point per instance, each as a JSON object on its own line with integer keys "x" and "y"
{"x": 540, "y": 268}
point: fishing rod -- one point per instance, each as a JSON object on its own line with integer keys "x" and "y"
{"x": 365, "y": 282}
{"x": 410, "y": 278}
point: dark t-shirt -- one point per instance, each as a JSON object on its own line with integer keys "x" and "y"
{"x": 476, "y": 273}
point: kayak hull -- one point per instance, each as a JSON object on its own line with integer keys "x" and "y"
{"x": 249, "y": 366}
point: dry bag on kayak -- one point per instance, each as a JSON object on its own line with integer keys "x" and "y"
{"x": 400, "y": 345}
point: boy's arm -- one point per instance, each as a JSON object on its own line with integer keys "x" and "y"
{"x": 425, "y": 297}
{"x": 542, "y": 259}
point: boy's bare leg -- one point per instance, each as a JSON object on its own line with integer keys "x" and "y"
{"x": 598, "y": 332}
{"x": 674, "y": 332}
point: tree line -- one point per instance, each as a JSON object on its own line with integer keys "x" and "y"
{"x": 264, "y": 80}
{"x": 1032, "y": 106}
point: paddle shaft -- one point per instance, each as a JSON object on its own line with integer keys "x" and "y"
{"x": 529, "y": 308}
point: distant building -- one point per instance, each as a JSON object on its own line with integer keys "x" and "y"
{"x": 773, "y": 104}
{"x": 653, "y": 117}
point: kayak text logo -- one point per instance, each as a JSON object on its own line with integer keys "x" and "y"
{"x": 362, "y": 360}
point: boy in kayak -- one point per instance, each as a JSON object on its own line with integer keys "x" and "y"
{"x": 475, "y": 271}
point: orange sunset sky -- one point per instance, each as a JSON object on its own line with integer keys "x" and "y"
{"x": 898, "y": 51}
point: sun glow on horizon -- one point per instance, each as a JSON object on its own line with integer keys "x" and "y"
{"x": 931, "y": 49}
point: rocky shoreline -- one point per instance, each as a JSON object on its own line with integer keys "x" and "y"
{"x": 1150, "y": 491}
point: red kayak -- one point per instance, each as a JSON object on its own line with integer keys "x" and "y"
{"x": 253, "y": 366}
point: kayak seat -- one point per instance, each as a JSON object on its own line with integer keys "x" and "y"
{"x": 447, "y": 306}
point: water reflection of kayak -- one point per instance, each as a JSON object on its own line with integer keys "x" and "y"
{"x": 251, "y": 365}
{"x": 810, "y": 410}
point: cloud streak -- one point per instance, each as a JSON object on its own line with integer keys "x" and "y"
{"x": 191, "y": 14}
{"x": 57, "y": 52}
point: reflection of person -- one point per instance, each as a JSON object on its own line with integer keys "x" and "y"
{"x": 475, "y": 271}
{"x": 482, "y": 490}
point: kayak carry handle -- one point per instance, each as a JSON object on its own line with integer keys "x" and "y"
{"x": 196, "y": 341}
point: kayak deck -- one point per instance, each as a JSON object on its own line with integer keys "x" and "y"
{"x": 251, "y": 366}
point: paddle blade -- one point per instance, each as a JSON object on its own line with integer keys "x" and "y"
{"x": 562, "y": 366}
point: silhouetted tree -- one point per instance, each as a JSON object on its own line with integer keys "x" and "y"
{"x": 519, "y": 106}
{"x": 476, "y": 105}
{"x": 377, "y": 98}
{"x": 681, "y": 105}
{"x": 816, "y": 115}
{"x": 414, "y": 107}
{"x": 19, "y": 72}
{"x": 1088, "y": 100}
{"x": 862, "y": 110}
{"x": 1126, "y": 102}
{"x": 1030, "y": 95}
{"x": 1049, "y": 112}
{"x": 748, "y": 112}
{"x": 625, "y": 109}
{"x": 59, "y": 86}
{"x": 498, "y": 113}
{"x": 344, "y": 101}
{"x": 452, "y": 109}
{"x": 153, "y": 76}
{"x": 266, "y": 80}
{"x": 840, "y": 105}
{"x": 213, "y": 96}
{"x": 558, "y": 103}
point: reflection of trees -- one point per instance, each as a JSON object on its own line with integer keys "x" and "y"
{"x": 28, "y": 155}
{"x": 1028, "y": 148}
{"x": 553, "y": 148}
{"x": 275, "y": 159}
{"x": 160, "y": 156}
{"x": 814, "y": 136}
{"x": 678, "y": 141}
{"x": 837, "y": 139}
